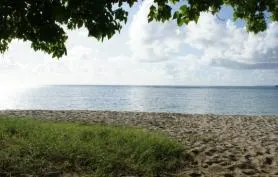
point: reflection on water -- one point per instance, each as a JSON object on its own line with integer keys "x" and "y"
{"x": 9, "y": 96}
{"x": 217, "y": 100}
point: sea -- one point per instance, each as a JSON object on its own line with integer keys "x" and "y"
{"x": 227, "y": 100}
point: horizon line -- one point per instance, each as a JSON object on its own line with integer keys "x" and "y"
{"x": 160, "y": 85}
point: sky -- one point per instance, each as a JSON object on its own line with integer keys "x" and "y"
{"x": 211, "y": 52}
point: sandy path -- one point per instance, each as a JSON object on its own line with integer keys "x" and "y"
{"x": 221, "y": 145}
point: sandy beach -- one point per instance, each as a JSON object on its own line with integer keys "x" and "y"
{"x": 221, "y": 145}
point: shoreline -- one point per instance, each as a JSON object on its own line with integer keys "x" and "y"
{"x": 135, "y": 111}
{"x": 222, "y": 145}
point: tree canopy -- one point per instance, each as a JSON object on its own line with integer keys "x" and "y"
{"x": 43, "y": 22}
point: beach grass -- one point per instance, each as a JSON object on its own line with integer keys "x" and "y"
{"x": 30, "y": 147}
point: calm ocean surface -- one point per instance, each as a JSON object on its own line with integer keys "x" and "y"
{"x": 216, "y": 100}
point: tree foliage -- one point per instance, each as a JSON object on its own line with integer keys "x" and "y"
{"x": 43, "y": 22}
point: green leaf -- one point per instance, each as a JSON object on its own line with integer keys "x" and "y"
{"x": 180, "y": 21}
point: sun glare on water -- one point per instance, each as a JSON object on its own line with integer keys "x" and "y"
{"x": 10, "y": 95}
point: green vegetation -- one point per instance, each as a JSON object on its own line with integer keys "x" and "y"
{"x": 44, "y": 148}
{"x": 43, "y": 23}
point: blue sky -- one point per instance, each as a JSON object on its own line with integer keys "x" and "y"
{"x": 212, "y": 52}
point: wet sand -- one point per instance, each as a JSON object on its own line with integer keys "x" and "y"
{"x": 221, "y": 145}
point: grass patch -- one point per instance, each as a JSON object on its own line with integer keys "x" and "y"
{"x": 42, "y": 148}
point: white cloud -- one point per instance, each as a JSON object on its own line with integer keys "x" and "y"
{"x": 227, "y": 45}
{"x": 8, "y": 64}
{"x": 219, "y": 43}
{"x": 154, "y": 41}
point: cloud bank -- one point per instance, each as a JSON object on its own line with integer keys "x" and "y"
{"x": 217, "y": 43}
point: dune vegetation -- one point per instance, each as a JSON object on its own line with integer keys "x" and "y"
{"x": 30, "y": 147}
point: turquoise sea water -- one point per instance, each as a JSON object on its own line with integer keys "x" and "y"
{"x": 215, "y": 100}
